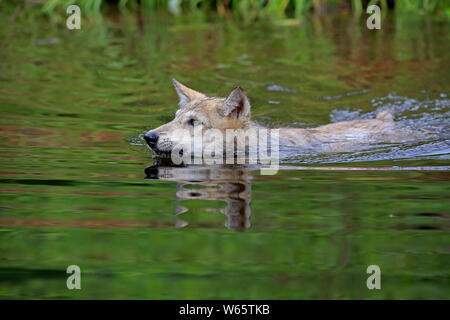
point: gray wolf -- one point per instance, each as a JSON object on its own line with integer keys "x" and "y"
{"x": 234, "y": 112}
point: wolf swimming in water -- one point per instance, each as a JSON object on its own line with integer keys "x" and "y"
{"x": 234, "y": 113}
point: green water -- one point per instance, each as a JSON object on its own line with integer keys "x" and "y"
{"x": 74, "y": 188}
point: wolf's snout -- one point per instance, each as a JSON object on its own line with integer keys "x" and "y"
{"x": 151, "y": 138}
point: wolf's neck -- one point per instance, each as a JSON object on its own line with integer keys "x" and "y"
{"x": 289, "y": 136}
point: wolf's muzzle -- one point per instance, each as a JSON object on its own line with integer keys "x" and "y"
{"x": 151, "y": 138}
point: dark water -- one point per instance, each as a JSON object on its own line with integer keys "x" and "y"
{"x": 78, "y": 187}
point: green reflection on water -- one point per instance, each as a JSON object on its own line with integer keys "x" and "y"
{"x": 73, "y": 188}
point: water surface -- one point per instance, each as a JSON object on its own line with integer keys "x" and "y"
{"x": 79, "y": 187}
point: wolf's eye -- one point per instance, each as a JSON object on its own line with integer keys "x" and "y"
{"x": 192, "y": 122}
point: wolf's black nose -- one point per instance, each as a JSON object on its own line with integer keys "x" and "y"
{"x": 151, "y": 138}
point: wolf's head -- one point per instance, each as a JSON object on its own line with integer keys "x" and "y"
{"x": 199, "y": 111}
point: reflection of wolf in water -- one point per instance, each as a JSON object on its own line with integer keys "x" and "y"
{"x": 231, "y": 185}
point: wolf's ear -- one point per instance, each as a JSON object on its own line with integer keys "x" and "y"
{"x": 237, "y": 105}
{"x": 186, "y": 95}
